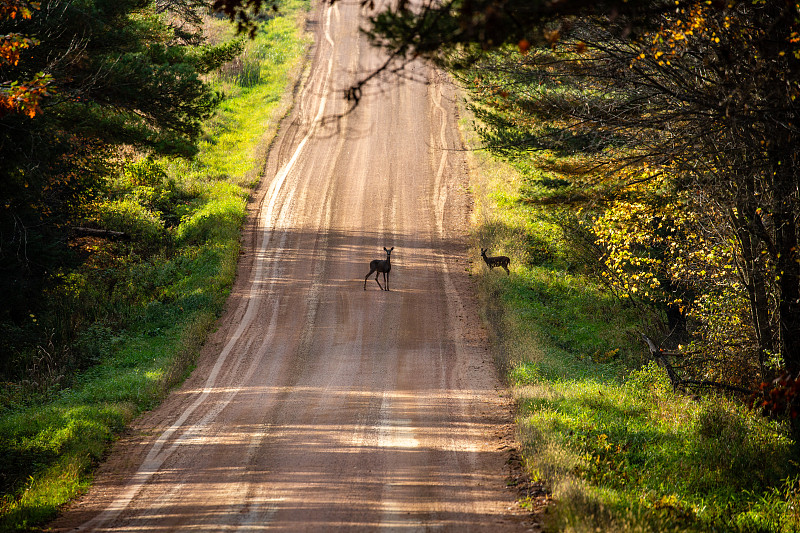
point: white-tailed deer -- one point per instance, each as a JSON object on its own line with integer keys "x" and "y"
{"x": 499, "y": 261}
{"x": 378, "y": 266}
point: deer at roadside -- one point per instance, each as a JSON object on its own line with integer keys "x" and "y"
{"x": 498, "y": 261}
{"x": 380, "y": 266}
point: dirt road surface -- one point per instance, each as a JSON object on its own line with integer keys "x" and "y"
{"x": 319, "y": 405}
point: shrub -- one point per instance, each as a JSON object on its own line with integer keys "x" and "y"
{"x": 217, "y": 219}
{"x": 142, "y": 225}
{"x": 145, "y": 172}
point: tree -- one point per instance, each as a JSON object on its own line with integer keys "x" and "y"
{"x": 698, "y": 102}
{"x": 19, "y": 96}
{"x": 80, "y": 80}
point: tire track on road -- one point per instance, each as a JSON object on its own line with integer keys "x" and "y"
{"x": 159, "y": 453}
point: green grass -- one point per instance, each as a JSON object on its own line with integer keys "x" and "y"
{"x": 597, "y": 423}
{"x": 169, "y": 286}
{"x": 238, "y": 136}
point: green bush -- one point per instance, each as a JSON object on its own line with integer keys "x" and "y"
{"x": 145, "y": 172}
{"x": 93, "y": 344}
{"x": 216, "y": 220}
{"x": 599, "y": 424}
{"x": 130, "y": 217}
{"x": 132, "y": 319}
{"x": 249, "y": 72}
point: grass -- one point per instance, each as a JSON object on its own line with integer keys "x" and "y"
{"x": 168, "y": 286}
{"x": 239, "y": 135}
{"x": 597, "y": 422}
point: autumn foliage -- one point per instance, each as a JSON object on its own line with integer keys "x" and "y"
{"x": 19, "y": 96}
{"x": 781, "y": 397}
{"x": 669, "y": 131}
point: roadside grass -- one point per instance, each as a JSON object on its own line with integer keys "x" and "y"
{"x": 255, "y": 86}
{"x": 597, "y": 422}
{"x": 148, "y": 305}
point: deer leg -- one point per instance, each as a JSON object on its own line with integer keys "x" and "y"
{"x": 386, "y": 280}
{"x": 366, "y": 278}
{"x": 507, "y": 270}
{"x": 376, "y": 279}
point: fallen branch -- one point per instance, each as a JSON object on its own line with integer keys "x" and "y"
{"x": 658, "y": 354}
{"x": 680, "y": 384}
{"x": 717, "y": 385}
{"x": 103, "y": 233}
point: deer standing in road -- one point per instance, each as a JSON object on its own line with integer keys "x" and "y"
{"x": 378, "y": 266}
{"x": 499, "y": 261}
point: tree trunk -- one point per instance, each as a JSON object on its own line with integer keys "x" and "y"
{"x": 788, "y": 273}
{"x": 754, "y": 281}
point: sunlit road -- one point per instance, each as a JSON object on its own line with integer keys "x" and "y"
{"x": 318, "y": 405}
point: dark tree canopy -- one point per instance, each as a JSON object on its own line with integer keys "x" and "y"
{"x": 117, "y": 75}
{"x": 437, "y": 27}
{"x": 428, "y": 26}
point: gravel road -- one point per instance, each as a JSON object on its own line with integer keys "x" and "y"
{"x": 318, "y": 405}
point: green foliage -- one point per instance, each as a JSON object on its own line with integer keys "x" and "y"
{"x": 148, "y": 183}
{"x": 703, "y": 239}
{"x": 132, "y": 218}
{"x": 599, "y": 425}
{"x": 209, "y": 58}
{"x": 119, "y": 78}
{"x": 627, "y": 453}
{"x": 231, "y": 148}
{"x": 125, "y": 323}
{"x": 217, "y": 220}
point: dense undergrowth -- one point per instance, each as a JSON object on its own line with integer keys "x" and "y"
{"x": 139, "y": 308}
{"x": 599, "y": 423}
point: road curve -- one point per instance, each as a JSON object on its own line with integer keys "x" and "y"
{"x": 318, "y": 405}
